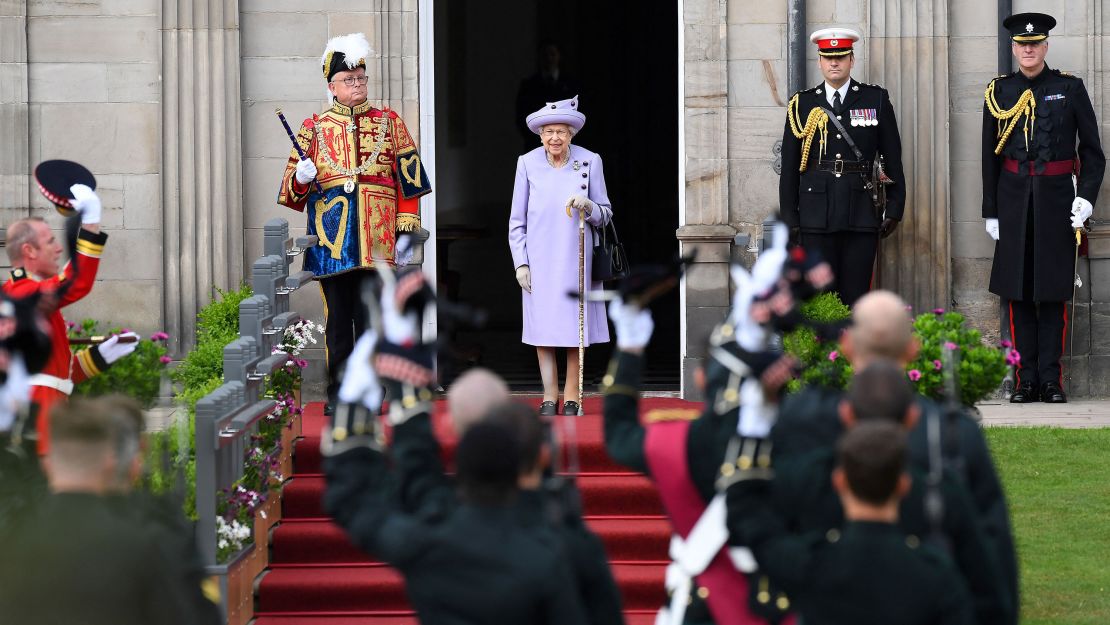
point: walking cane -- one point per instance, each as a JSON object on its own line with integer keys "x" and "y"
{"x": 581, "y": 309}
{"x": 1076, "y": 284}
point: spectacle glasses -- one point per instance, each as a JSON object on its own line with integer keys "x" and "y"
{"x": 351, "y": 81}
{"x": 561, "y": 133}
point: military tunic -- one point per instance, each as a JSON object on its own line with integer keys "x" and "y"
{"x": 1034, "y": 211}
{"x": 804, "y": 496}
{"x": 820, "y": 193}
{"x": 426, "y": 492}
{"x": 866, "y": 574}
{"x": 808, "y": 421}
{"x": 475, "y": 566}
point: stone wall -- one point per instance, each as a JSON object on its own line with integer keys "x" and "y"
{"x": 93, "y": 97}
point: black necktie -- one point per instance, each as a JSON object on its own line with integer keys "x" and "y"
{"x": 836, "y": 101}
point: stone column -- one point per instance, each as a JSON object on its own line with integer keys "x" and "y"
{"x": 202, "y": 181}
{"x": 908, "y": 53}
{"x": 14, "y": 158}
{"x": 706, "y": 224}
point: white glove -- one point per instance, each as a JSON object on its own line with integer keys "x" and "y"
{"x": 360, "y": 382}
{"x": 992, "y": 228}
{"x": 112, "y": 349}
{"x": 582, "y": 203}
{"x": 756, "y": 417}
{"x": 524, "y": 277}
{"x": 15, "y": 392}
{"x": 86, "y": 202}
{"x": 633, "y": 325}
{"x": 399, "y": 329}
{"x": 402, "y": 255}
{"x": 306, "y": 171}
{"x": 1081, "y": 210}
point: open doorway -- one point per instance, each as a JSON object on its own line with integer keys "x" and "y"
{"x": 624, "y": 65}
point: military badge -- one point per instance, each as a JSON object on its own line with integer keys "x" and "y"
{"x": 1057, "y": 96}
{"x": 864, "y": 117}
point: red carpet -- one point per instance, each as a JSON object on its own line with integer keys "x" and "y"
{"x": 317, "y": 577}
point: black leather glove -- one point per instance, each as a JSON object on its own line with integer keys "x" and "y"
{"x": 887, "y": 227}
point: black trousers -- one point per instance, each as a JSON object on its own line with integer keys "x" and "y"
{"x": 344, "y": 321}
{"x": 851, "y": 255}
{"x": 1039, "y": 330}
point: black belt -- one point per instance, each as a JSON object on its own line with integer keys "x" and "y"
{"x": 845, "y": 167}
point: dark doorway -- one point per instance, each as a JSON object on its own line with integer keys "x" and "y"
{"x": 624, "y": 62}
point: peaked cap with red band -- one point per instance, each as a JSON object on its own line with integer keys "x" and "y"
{"x": 834, "y": 41}
{"x": 54, "y": 178}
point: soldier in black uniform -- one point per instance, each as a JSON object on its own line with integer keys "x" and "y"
{"x": 808, "y": 421}
{"x": 807, "y": 501}
{"x": 473, "y": 562}
{"x": 1031, "y": 120}
{"x": 76, "y": 559}
{"x": 823, "y": 191}
{"x": 867, "y": 572}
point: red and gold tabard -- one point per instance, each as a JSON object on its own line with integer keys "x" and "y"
{"x": 64, "y": 368}
{"x": 369, "y": 176}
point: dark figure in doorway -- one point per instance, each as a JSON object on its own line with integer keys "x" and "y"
{"x": 549, "y": 84}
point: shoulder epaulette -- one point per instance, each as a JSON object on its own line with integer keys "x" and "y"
{"x": 671, "y": 414}
{"x": 1065, "y": 74}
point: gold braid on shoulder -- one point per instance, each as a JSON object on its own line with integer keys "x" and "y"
{"x": 1026, "y": 105}
{"x": 817, "y": 120}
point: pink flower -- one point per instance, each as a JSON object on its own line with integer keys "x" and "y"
{"x": 950, "y": 346}
{"x": 1013, "y": 358}
{"x": 71, "y": 325}
{"x": 938, "y": 311}
{"x": 914, "y": 374}
{"x": 159, "y": 336}
{"x": 936, "y": 365}
{"x": 1006, "y": 344}
{"x": 302, "y": 363}
{"x": 165, "y": 360}
{"x": 833, "y": 355}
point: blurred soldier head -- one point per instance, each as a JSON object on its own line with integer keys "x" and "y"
{"x": 881, "y": 329}
{"x": 32, "y": 245}
{"x": 531, "y": 434}
{"x": 881, "y": 392}
{"x": 487, "y": 464}
{"x": 82, "y": 456}
{"x": 473, "y": 395}
{"x": 870, "y": 475}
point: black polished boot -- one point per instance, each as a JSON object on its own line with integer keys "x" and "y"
{"x": 548, "y": 409}
{"x": 1026, "y": 393}
{"x": 570, "y": 408}
{"x": 1051, "y": 393}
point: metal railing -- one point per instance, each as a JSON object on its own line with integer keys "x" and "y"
{"x": 228, "y": 416}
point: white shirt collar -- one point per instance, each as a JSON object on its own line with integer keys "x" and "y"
{"x": 843, "y": 92}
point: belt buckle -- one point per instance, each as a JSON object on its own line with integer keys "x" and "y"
{"x": 838, "y": 166}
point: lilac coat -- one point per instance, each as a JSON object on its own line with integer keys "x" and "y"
{"x": 544, "y": 238}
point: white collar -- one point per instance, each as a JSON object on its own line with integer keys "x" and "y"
{"x": 843, "y": 90}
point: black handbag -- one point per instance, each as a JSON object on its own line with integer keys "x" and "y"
{"x": 610, "y": 261}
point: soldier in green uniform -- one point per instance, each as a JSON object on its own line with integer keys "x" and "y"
{"x": 867, "y": 572}
{"x": 473, "y": 562}
{"x": 805, "y": 497}
{"x": 77, "y": 560}
{"x": 1039, "y": 129}
{"x": 808, "y": 420}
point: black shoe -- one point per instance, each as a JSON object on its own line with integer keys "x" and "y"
{"x": 548, "y": 409}
{"x": 570, "y": 408}
{"x": 329, "y": 409}
{"x": 1026, "y": 393}
{"x": 1051, "y": 393}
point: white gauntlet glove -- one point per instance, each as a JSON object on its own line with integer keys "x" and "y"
{"x": 86, "y": 202}
{"x": 306, "y": 171}
{"x": 582, "y": 203}
{"x": 113, "y": 349}
{"x": 1081, "y": 210}
{"x": 632, "y": 324}
{"x": 360, "y": 383}
{"x": 402, "y": 254}
{"x": 992, "y": 228}
{"x": 524, "y": 277}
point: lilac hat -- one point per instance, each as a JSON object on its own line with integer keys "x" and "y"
{"x": 561, "y": 112}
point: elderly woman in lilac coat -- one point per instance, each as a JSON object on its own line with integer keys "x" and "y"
{"x": 552, "y": 180}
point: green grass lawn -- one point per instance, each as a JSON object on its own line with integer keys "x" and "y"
{"x": 1058, "y": 485}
